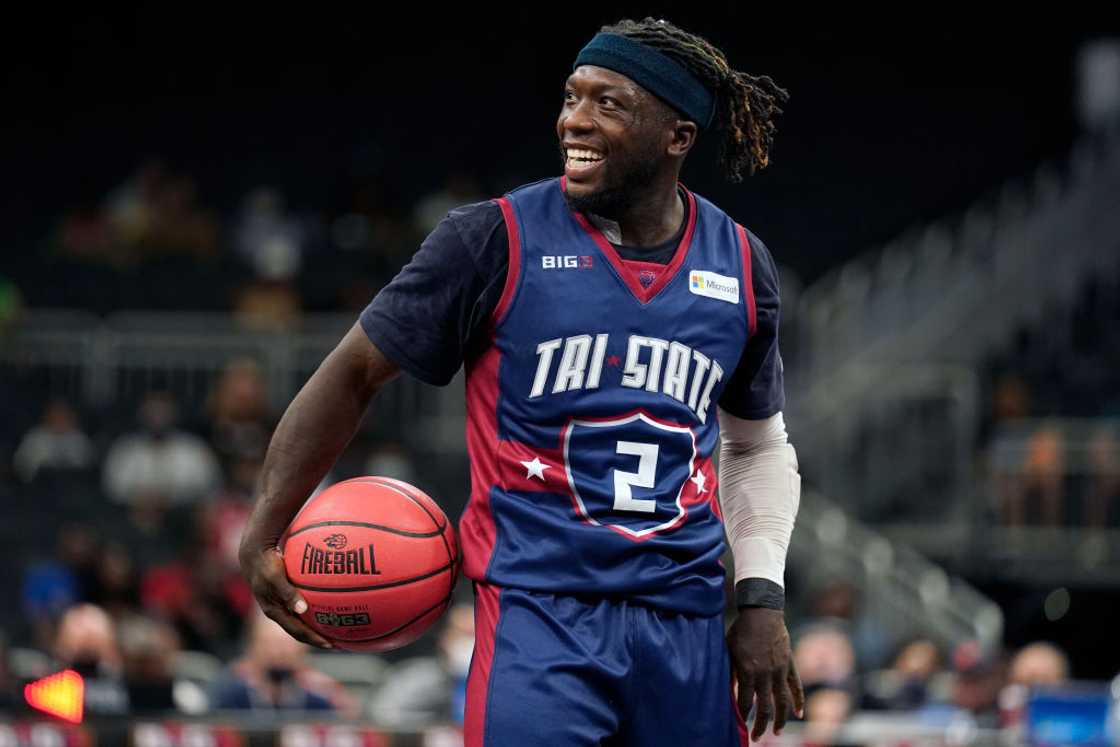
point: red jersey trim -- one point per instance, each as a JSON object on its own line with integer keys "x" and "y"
{"x": 748, "y": 280}
{"x": 487, "y": 610}
{"x": 513, "y": 273}
{"x": 629, "y": 278}
{"x": 477, "y": 529}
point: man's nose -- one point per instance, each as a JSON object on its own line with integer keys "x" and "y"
{"x": 578, "y": 118}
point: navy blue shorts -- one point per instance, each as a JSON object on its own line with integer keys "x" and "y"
{"x": 564, "y": 671}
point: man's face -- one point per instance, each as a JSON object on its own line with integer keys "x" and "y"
{"x": 613, "y": 139}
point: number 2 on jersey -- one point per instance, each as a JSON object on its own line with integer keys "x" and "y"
{"x": 624, "y": 482}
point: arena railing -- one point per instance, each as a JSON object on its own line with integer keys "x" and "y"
{"x": 968, "y": 281}
{"x": 310, "y": 730}
{"x": 109, "y": 363}
{"x": 906, "y": 594}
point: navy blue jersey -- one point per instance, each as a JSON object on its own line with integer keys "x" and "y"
{"x": 436, "y": 310}
{"x": 593, "y": 375}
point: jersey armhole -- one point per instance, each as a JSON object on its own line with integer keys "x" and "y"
{"x": 513, "y": 271}
{"x": 748, "y": 280}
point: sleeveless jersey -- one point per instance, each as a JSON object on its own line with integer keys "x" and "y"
{"x": 591, "y": 415}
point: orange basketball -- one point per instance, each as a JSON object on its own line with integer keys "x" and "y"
{"x": 376, "y": 559}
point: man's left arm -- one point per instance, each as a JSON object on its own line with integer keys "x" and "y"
{"x": 759, "y": 493}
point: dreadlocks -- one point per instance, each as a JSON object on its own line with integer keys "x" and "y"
{"x": 746, "y": 105}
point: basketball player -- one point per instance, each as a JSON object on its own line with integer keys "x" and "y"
{"x": 613, "y": 326}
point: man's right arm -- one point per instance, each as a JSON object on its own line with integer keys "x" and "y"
{"x": 423, "y": 322}
{"x": 315, "y": 429}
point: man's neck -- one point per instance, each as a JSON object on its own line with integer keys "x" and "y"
{"x": 651, "y": 221}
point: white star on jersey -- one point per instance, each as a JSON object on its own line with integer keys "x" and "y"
{"x": 535, "y": 468}
{"x": 698, "y": 479}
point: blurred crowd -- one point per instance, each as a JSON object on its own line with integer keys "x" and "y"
{"x": 149, "y": 606}
{"x": 849, "y": 665}
{"x": 1052, "y": 437}
{"x": 127, "y": 554}
{"x": 265, "y": 260}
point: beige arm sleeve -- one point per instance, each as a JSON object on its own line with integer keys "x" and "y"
{"x": 759, "y": 493}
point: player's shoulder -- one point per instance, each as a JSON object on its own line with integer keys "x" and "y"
{"x": 479, "y": 220}
{"x": 478, "y": 228}
{"x": 760, "y": 253}
{"x": 540, "y": 185}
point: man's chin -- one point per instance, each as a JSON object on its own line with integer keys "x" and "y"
{"x": 587, "y": 199}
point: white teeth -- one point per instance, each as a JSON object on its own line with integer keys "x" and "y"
{"x": 583, "y": 155}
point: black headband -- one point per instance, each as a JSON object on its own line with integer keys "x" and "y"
{"x": 653, "y": 71}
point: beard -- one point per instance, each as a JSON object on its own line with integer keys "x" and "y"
{"x": 623, "y": 183}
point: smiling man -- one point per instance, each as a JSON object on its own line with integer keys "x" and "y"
{"x": 614, "y": 327}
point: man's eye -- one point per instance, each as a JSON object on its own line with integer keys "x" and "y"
{"x": 608, "y": 101}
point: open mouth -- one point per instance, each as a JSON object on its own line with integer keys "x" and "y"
{"x": 581, "y": 161}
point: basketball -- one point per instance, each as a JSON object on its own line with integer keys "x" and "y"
{"x": 375, "y": 559}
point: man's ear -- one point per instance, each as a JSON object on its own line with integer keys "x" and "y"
{"x": 683, "y": 137}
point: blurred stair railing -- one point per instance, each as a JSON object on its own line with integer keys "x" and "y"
{"x": 946, "y": 292}
{"x": 110, "y": 363}
{"x": 900, "y": 589}
{"x": 943, "y": 296}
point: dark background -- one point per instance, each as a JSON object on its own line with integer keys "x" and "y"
{"x": 884, "y": 129}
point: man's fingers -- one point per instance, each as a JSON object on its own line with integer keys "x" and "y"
{"x": 796, "y": 690}
{"x": 282, "y": 602}
{"x": 781, "y": 702}
{"x": 282, "y": 589}
{"x": 295, "y": 627}
{"x": 763, "y": 707}
{"x": 746, "y": 695}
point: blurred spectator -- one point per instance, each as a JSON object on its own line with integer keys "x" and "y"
{"x": 222, "y": 521}
{"x": 267, "y": 239}
{"x": 224, "y": 516}
{"x": 424, "y": 689}
{"x": 1038, "y": 664}
{"x": 274, "y": 675}
{"x": 838, "y": 601}
{"x": 1103, "y": 490}
{"x": 182, "y": 226}
{"x": 49, "y": 588}
{"x": 1044, "y": 473}
{"x": 86, "y": 642}
{"x": 824, "y": 656}
{"x": 133, "y": 207}
{"x": 158, "y": 465}
{"x": 905, "y": 686}
{"x": 978, "y": 681}
{"x": 239, "y": 426}
{"x": 391, "y": 460}
{"x": 154, "y": 212}
{"x": 826, "y": 710}
{"x": 148, "y": 650}
{"x": 1038, "y": 480}
{"x": 1011, "y": 400}
{"x": 172, "y": 592}
{"x": 55, "y": 443}
{"x": 114, "y": 585}
{"x": 268, "y": 305}
{"x": 52, "y": 586}
{"x": 1035, "y": 665}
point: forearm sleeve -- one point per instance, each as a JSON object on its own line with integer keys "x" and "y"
{"x": 759, "y": 494}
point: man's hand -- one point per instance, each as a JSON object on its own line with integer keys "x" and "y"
{"x": 315, "y": 429}
{"x": 264, "y": 569}
{"x": 762, "y": 662}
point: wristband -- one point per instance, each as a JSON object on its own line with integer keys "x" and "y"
{"x": 759, "y": 592}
